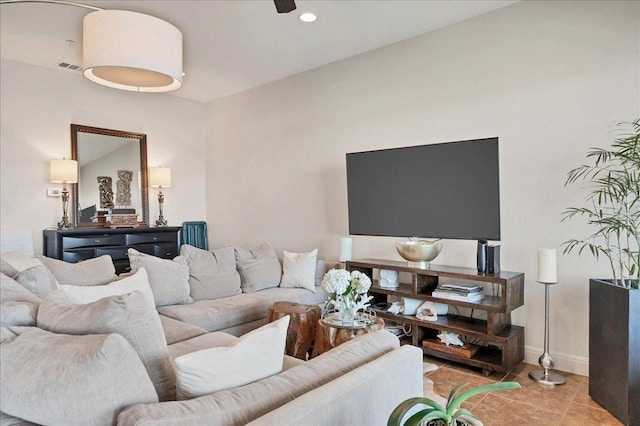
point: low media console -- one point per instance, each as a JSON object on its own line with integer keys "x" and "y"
{"x": 497, "y": 344}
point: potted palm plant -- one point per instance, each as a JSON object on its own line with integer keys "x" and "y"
{"x": 434, "y": 414}
{"x": 613, "y": 211}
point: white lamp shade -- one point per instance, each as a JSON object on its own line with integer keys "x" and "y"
{"x": 345, "y": 249}
{"x": 131, "y": 51}
{"x": 159, "y": 177}
{"x": 63, "y": 171}
{"x": 547, "y": 270}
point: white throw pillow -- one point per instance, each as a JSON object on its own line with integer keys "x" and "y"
{"x": 299, "y": 270}
{"x": 254, "y": 356}
{"x": 82, "y": 294}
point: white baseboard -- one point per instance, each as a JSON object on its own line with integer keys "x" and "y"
{"x": 563, "y": 362}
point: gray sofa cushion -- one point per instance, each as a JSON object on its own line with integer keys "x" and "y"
{"x": 212, "y": 274}
{"x": 169, "y": 279}
{"x": 38, "y": 280}
{"x": 34, "y": 389}
{"x": 18, "y": 306}
{"x": 18, "y": 313}
{"x": 218, "y": 314}
{"x": 129, "y": 315}
{"x": 206, "y": 341}
{"x": 365, "y": 396}
{"x": 176, "y": 331}
{"x": 98, "y": 271}
{"x": 12, "y": 291}
{"x": 7, "y": 420}
{"x": 227, "y": 312}
{"x": 13, "y": 262}
{"x": 241, "y": 405}
{"x": 259, "y": 268}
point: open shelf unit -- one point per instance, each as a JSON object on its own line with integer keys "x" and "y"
{"x": 502, "y": 344}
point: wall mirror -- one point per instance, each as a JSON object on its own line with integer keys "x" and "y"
{"x": 112, "y": 174}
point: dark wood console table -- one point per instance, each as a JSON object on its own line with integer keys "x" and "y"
{"x": 86, "y": 243}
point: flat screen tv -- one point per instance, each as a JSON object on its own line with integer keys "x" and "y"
{"x": 445, "y": 190}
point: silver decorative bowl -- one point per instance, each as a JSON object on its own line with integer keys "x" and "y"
{"x": 419, "y": 253}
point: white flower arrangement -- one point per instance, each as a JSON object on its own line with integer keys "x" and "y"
{"x": 348, "y": 291}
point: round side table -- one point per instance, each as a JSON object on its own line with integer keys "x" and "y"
{"x": 328, "y": 336}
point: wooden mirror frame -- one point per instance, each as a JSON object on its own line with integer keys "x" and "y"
{"x": 140, "y": 137}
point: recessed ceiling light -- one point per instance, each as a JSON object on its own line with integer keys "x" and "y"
{"x": 308, "y": 17}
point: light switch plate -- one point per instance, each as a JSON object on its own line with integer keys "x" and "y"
{"x": 53, "y": 192}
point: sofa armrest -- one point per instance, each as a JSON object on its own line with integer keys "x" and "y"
{"x": 239, "y": 406}
{"x": 365, "y": 396}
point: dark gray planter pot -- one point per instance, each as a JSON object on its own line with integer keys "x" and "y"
{"x": 614, "y": 349}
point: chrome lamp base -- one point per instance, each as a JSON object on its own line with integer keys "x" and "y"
{"x": 546, "y": 377}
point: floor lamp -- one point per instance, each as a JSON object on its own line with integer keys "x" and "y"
{"x": 547, "y": 275}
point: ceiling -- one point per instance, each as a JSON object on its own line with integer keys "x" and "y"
{"x": 232, "y": 46}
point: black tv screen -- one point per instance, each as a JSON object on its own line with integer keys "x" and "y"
{"x": 446, "y": 190}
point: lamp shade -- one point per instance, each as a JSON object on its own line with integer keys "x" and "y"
{"x": 345, "y": 249}
{"x": 159, "y": 177}
{"x": 63, "y": 171}
{"x": 131, "y": 51}
{"x": 547, "y": 270}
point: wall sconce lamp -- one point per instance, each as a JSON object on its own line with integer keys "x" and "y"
{"x": 160, "y": 177}
{"x": 64, "y": 172}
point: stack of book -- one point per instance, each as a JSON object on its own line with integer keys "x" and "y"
{"x": 459, "y": 291}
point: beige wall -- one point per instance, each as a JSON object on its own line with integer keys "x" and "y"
{"x": 550, "y": 79}
{"x": 39, "y": 104}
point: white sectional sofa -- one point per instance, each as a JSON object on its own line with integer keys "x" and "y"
{"x": 58, "y": 339}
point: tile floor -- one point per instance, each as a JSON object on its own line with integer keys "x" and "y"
{"x": 532, "y": 404}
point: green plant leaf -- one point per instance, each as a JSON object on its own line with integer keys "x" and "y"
{"x": 455, "y": 391}
{"x": 403, "y": 408}
{"x": 426, "y": 415}
{"x": 476, "y": 391}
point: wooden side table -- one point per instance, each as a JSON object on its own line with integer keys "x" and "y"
{"x": 330, "y": 336}
{"x": 302, "y": 325}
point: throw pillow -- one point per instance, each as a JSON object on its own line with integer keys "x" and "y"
{"x": 98, "y": 271}
{"x": 37, "y": 279}
{"x": 18, "y": 306}
{"x": 254, "y": 356}
{"x": 212, "y": 274}
{"x": 51, "y": 378}
{"x": 14, "y": 262}
{"x": 82, "y": 294}
{"x": 12, "y": 291}
{"x": 129, "y": 315}
{"x": 259, "y": 268}
{"x": 169, "y": 279}
{"x": 299, "y": 270}
{"x": 18, "y": 313}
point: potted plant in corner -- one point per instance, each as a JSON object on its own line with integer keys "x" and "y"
{"x": 434, "y": 414}
{"x": 613, "y": 178}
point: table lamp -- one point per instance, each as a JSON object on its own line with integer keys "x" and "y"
{"x": 64, "y": 172}
{"x": 160, "y": 177}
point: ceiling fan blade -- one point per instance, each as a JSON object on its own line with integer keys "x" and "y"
{"x": 285, "y": 6}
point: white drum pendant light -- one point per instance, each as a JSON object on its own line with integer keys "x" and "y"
{"x": 131, "y": 51}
